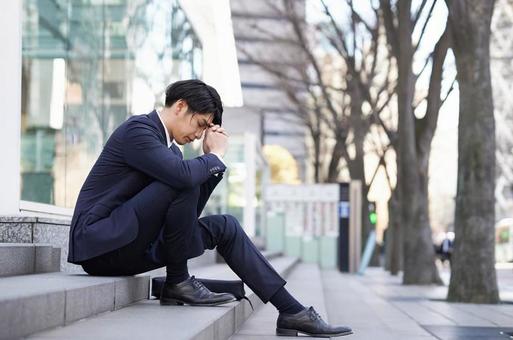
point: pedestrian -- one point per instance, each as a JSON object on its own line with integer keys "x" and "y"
{"x": 139, "y": 210}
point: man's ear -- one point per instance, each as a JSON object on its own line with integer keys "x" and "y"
{"x": 181, "y": 106}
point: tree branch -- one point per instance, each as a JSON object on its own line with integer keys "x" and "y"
{"x": 419, "y": 12}
{"x": 390, "y": 27}
{"x": 426, "y": 126}
{"x": 430, "y": 13}
{"x": 448, "y": 92}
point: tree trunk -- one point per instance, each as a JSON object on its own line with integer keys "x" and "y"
{"x": 473, "y": 276}
{"x": 425, "y": 255}
{"x": 316, "y": 139}
{"x": 317, "y": 159}
{"x": 416, "y": 237}
{"x": 357, "y": 166}
{"x": 358, "y": 173}
{"x": 336, "y": 155}
{"x": 394, "y": 235}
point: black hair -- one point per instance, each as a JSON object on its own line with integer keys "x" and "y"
{"x": 200, "y": 97}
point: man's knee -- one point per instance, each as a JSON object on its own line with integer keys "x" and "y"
{"x": 222, "y": 229}
{"x": 232, "y": 228}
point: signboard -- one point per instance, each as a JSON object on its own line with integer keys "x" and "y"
{"x": 310, "y": 210}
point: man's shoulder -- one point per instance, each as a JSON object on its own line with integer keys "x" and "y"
{"x": 141, "y": 126}
{"x": 141, "y": 119}
{"x": 142, "y": 122}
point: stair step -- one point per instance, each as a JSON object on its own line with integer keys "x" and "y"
{"x": 32, "y": 303}
{"x": 305, "y": 284}
{"x": 28, "y": 258}
{"x": 147, "y": 319}
{"x": 271, "y": 254}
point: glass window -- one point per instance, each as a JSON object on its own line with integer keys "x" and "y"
{"x": 87, "y": 66}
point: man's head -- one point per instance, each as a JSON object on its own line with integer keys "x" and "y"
{"x": 192, "y": 107}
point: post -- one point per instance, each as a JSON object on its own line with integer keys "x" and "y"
{"x": 355, "y": 225}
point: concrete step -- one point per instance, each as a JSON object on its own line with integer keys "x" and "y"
{"x": 271, "y": 254}
{"x": 28, "y": 258}
{"x": 149, "y": 320}
{"x": 305, "y": 284}
{"x": 32, "y": 303}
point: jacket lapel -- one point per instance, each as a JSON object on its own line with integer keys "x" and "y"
{"x": 155, "y": 118}
{"x": 153, "y": 115}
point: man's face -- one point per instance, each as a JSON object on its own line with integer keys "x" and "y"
{"x": 189, "y": 127}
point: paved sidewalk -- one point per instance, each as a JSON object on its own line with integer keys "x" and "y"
{"x": 378, "y": 306}
{"x": 305, "y": 283}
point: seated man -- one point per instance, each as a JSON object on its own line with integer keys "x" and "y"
{"x": 139, "y": 210}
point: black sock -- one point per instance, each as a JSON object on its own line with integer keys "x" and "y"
{"x": 177, "y": 272}
{"x": 285, "y": 303}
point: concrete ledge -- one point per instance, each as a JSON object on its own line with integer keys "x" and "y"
{"x": 32, "y": 303}
{"x": 47, "y": 259}
{"x": 147, "y": 319}
{"x": 32, "y": 219}
{"x": 16, "y": 259}
{"x": 28, "y": 258}
{"x": 272, "y": 254}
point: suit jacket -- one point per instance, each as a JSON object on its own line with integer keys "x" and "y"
{"x": 135, "y": 155}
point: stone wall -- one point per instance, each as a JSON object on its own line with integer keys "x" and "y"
{"x": 23, "y": 229}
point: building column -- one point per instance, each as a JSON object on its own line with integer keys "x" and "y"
{"x": 250, "y": 184}
{"x": 212, "y": 23}
{"x": 10, "y": 97}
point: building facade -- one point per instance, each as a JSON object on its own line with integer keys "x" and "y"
{"x": 264, "y": 35}
{"x": 76, "y": 69}
{"x": 72, "y": 71}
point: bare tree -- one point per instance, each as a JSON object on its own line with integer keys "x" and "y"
{"x": 473, "y": 276}
{"x": 337, "y": 102}
{"x": 358, "y": 45}
{"x": 414, "y": 134}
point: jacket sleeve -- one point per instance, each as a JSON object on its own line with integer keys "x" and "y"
{"x": 206, "y": 190}
{"x": 143, "y": 150}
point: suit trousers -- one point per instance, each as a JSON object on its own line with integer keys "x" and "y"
{"x": 167, "y": 218}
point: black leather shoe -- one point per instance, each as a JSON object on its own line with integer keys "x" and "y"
{"x": 192, "y": 292}
{"x": 308, "y": 322}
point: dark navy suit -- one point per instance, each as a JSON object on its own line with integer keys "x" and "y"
{"x": 139, "y": 206}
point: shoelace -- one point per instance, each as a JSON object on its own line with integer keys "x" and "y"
{"x": 314, "y": 315}
{"x": 197, "y": 284}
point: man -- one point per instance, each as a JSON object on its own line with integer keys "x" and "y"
{"x": 139, "y": 210}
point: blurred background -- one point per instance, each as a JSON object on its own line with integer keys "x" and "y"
{"x": 343, "y": 116}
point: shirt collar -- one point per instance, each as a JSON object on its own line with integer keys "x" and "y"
{"x": 168, "y": 138}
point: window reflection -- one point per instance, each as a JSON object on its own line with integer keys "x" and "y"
{"x": 87, "y": 66}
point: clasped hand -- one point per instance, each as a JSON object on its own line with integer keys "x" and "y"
{"x": 215, "y": 140}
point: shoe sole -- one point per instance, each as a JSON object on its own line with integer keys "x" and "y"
{"x": 294, "y": 332}
{"x": 176, "y": 302}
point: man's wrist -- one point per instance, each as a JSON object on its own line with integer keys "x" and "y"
{"x": 218, "y": 156}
